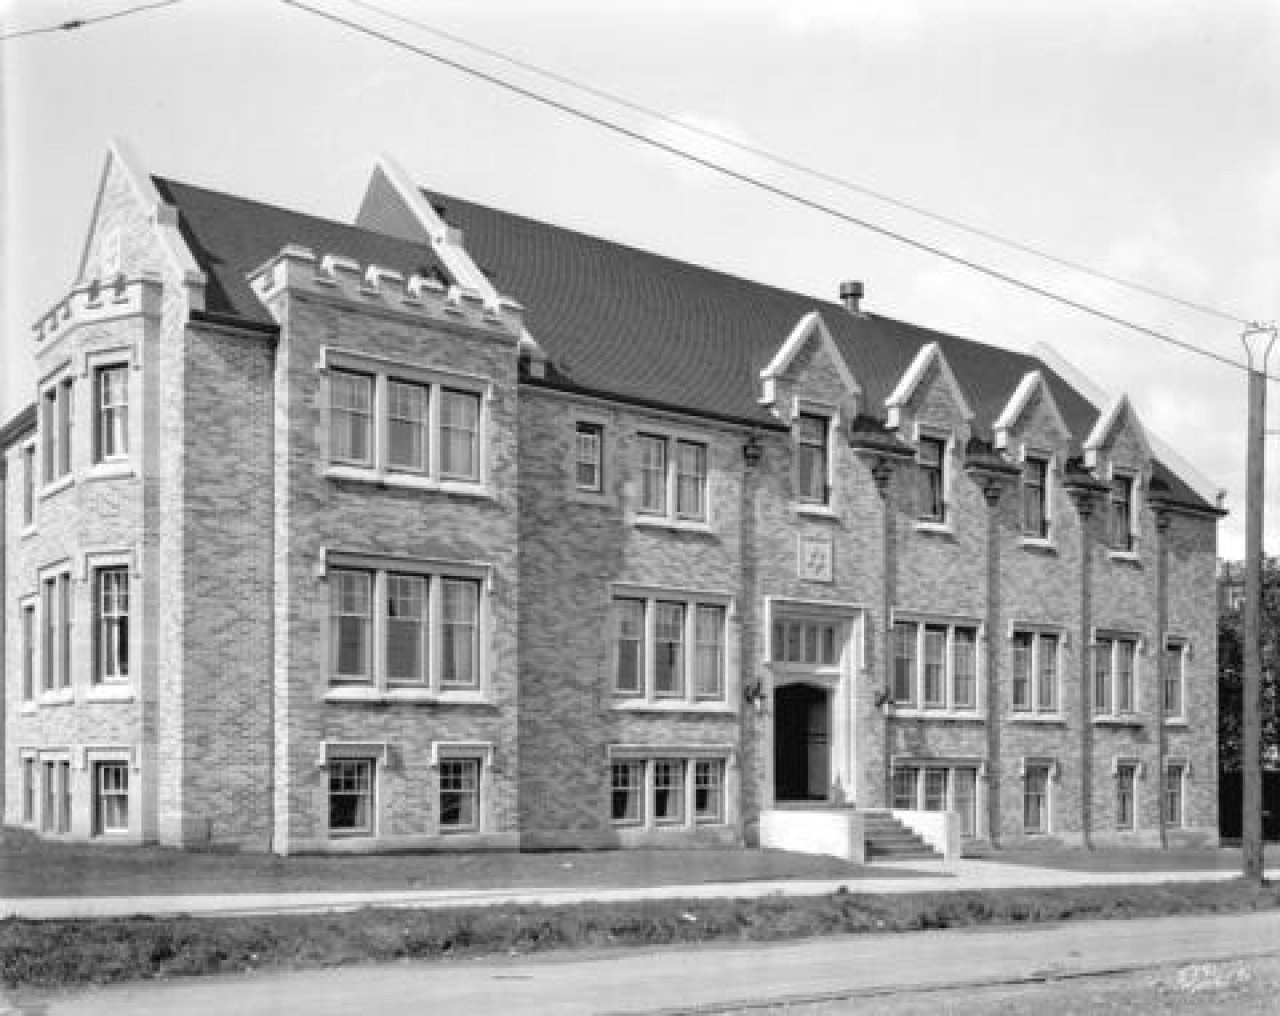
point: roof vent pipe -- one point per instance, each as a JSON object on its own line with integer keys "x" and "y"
{"x": 851, "y": 294}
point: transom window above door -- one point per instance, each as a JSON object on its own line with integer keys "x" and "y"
{"x": 805, "y": 641}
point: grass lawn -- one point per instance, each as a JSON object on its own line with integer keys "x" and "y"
{"x": 45, "y": 954}
{"x": 29, "y": 867}
{"x": 1108, "y": 859}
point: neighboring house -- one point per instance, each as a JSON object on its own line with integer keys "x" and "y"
{"x": 1230, "y": 586}
{"x": 454, "y": 528}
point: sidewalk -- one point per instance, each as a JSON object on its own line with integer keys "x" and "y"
{"x": 965, "y": 875}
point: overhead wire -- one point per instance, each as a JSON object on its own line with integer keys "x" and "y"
{"x": 74, "y": 23}
{"x": 798, "y": 167}
{"x": 764, "y": 185}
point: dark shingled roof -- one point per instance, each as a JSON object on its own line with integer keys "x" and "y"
{"x": 231, "y": 236}
{"x": 616, "y": 320}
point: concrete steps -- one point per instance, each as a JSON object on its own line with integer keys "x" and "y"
{"x": 886, "y": 837}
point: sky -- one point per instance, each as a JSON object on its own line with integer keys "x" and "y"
{"x": 1139, "y": 137}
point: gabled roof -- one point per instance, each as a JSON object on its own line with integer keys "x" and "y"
{"x": 231, "y": 236}
{"x": 906, "y": 388}
{"x": 1009, "y": 417}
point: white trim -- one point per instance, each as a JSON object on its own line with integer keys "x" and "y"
{"x": 607, "y": 424}
{"x": 915, "y": 373}
{"x": 447, "y": 751}
{"x": 1105, "y": 426}
{"x": 1010, "y": 416}
{"x": 809, "y": 325}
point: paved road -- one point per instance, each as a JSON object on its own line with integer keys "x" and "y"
{"x": 899, "y": 877}
{"x": 677, "y": 979}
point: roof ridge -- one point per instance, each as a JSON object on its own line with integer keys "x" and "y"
{"x": 163, "y": 181}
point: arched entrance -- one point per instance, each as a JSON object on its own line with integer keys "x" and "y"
{"x": 801, "y": 743}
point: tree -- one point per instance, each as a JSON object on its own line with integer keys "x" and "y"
{"x": 1231, "y": 675}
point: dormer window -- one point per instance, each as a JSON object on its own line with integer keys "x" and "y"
{"x": 931, "y": 460}
{"x": 812, "y": 459}
{"x": 1120, "y": 514}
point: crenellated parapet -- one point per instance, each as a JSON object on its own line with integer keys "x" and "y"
{"x": 100, "y": 301}
{"x": 298, "y": 269}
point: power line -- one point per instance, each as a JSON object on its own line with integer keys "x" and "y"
{"x": 74, "y": 23}
{"x": 809, "y": 171}
{"x": 770, "y": 188}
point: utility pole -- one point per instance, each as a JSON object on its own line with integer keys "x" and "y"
{"x": 1258, "y": 341}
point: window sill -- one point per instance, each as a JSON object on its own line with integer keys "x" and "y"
{"x": 109, "y": 693}
{"x": 405, "y": 696}
{"x": 946, "y": 715}
{"x": 1119, "y": 721}
{"x": 28, "y": 531}
{"x": 714, "y": 708}
{"x": 1123, "y": 556}
{"x": 937, "y": 528}
{"x": 27, "y": 708}
{"x": 111, "y": 471}
{"x": 58, "y": 486}
{"x": 56, "y": 698}
{"x": 593, "y": 499}
{"x": 1037, "y": 545}
{"x": 814, "y": 511}
{"x": 674, "y": 525}
{"x": 1044, "y": 719}
{"x": 1177, "y": 722}
{"x": 409, "y": 481}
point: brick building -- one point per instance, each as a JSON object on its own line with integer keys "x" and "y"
{"x": 454, "y": 528}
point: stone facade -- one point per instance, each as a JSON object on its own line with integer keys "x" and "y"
{"x": 242, "y": 526}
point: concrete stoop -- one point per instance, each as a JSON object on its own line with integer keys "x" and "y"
{"x": 848, "y": 833}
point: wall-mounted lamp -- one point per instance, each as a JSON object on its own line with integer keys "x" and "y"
{"x": 753, "y": 450}
{"x": 754, "y": 694}
{"x": 883, "y": 698}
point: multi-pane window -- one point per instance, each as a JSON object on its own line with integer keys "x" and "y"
{"x": 407, "y": 440}
{"x": 812, "y": 463}
{"x": 708, "y": 790}
{"x": 28, "y": 651}
{"x": 55, "y": 604}
{"x": 351, "y": 796}
{"x": 1172, "y": 684}
{"x": 1126, "y": 781}
{"x": 28, "y": 791}
{"x": 459, "y": 435}
{"x": 588, "y": 457}
{"x": 351, "y": 418}
{"x": 938, "y": 788}
{"x": 1035, "y": 498}
{"x": 708, "y": 663}
{"x": 459, "y": 795}
{"x": 55, "y": 430}
{"x": 111, "y": 797}
{"x": 1035, "y": 799}
{"x": 931, "y": 490}
{"x": 112, "y": 629}
{"x": 460, "y": 633}
{"x": 351, "y": 625}
{"x": 56, "y": 814}
{"x": 405, "y": 426}
{"x": 1035, "y": 672}
{"x": 667, "y": 791}
{"x": 797, "y": 640}
{"x": 1174, "y": 773}
{"x": 28, "y": 485}
{"x": 1120, "y": 514}
{"x": 627, "y": 792}
{"x": 672, "y": 485}
{"x": 669, "y": 649}
{"x": 404, "y": 629}
{"x": 1114, "y": 680}
{"x": 111, "y": 413}
{"x": 935, "y": 665}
